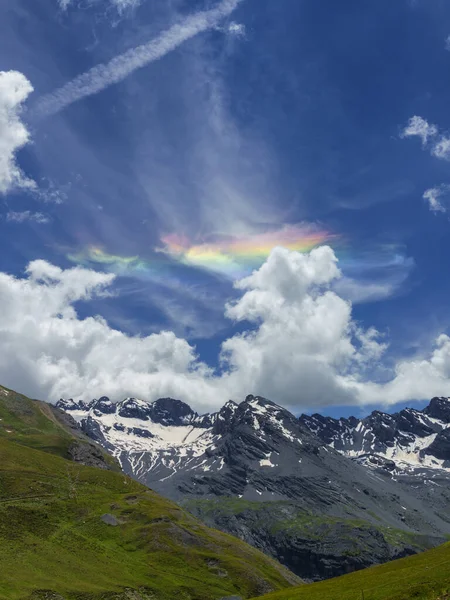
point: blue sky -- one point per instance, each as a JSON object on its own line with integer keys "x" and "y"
{"x": 258, "y": 120}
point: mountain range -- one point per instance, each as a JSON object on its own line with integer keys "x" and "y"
{"x": 324, "y": 496}
{"x": 74, "y": 527}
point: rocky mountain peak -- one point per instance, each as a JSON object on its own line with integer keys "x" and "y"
{"x": 168, "y": 411}
{"x": 71, "y": 404}
{"x": 262, "y": 416}
{"x": 327, "y": 428}
{"x": 383, "y": 426}
{"x": 224, "y": 419}
{"x": 256, "y": 410}
{"x": 132, "y": 408}
{"x": 413, "y": 421}
{"x": 439, "y": 408}
{"x": 412, "y": 438}
{"x": 103, "y": 406}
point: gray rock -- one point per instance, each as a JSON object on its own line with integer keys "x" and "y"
{"x": 109, "y": 519}
{"x": 87, "y": 454}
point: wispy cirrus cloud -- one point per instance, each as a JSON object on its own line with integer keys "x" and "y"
{"x": 120, "y": 4}
{"x": 368, "y": 276}
{"x": 27, "y": 216}
{"x": 373, "y": 274}
{"x": 192, "y": 309}
{"x": 104, "y": 75}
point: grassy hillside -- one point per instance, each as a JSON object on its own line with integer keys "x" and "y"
{"x": 424, "y": 576}
{"x": 74, "y": 532}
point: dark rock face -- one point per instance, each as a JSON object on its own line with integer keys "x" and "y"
{"x": 327, "y": 428}
{"x": 71, "y": 404}
{"x": 440, "y": 448}
{"x": 93, "y": 430}
{"x": 168, "y": 411}
{"x": 312, "y": 547}
{"x": 410, "y": 421}
{"x": 82, "y": 450}
{"x": 104, "y": 406}
{"x": 88, "y": 455}
{"x": 343, "y": 550}
{"x": 66, "y": 419}
{"x": 223, "y": 420}
{"x": 141, "y": 432}
{"x": 439, "y": 408}
{"x": 132, "y": 409}
{"x": 376, "y": 461}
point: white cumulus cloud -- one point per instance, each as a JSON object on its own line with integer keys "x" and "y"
{"x": 442, "y": 148}
{"x": 14, "y": 90}
{"x": 417, "y": 126}
{"x": 414, "y": 379}
{"x": 438, "y": 144}
{"x": 301, "y": 347}
{"x": 305, "y": 345}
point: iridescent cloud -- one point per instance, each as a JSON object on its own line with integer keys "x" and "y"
{"x": 156, "y": 270}
{"x": 230, "y": 257}
{"x": 234, "y": 257}
{"x": 96, "y": 255}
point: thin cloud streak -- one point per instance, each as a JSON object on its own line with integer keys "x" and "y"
{"x": 102, "y": 76}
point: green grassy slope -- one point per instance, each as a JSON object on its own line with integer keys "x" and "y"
{"x": 31, "y": 424}
{"x": 54, "y": 544}
{"x": 424, "y": 576}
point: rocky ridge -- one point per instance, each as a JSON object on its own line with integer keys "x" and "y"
{"x": 409, "y": 442}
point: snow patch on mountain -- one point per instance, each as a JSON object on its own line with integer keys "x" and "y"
{"x": 154, "y": 441}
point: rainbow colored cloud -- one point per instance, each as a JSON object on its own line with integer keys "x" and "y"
{"x": 235, "y": 257}
{"x": 230, "y": 257}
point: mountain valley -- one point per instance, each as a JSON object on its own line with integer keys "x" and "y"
{"x": 323, "y": 496}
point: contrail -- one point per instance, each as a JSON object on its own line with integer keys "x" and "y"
{"x": 102, "y": 76}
